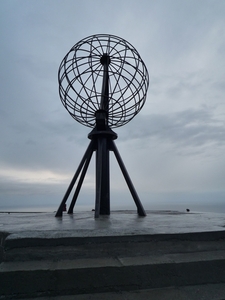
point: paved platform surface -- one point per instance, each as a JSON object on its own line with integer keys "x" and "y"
{"x": 83, "y": 224}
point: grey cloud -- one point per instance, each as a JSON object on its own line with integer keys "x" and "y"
{"x": 191, "y": 127}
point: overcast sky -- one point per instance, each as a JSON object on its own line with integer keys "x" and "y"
{"x": 174, "y": 149}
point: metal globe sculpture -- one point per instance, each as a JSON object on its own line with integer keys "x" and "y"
{"x": 103, "y": 84}
{"x": 81, "y": 75}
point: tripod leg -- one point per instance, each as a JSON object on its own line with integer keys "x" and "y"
{"x": 105, "y": 192}
{"x": 60, "y": 209}
{"x": 102, "y": 204}
{"x": 99, "y": 165}
{"x": 137, "y": 201}
{"x": 76, "y": 193}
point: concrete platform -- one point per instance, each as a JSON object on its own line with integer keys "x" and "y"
{"x": 82, "y": 224}
{"x": 121, "y": 256}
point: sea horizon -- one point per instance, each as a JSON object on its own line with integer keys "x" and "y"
{"x": 194, "y": 207}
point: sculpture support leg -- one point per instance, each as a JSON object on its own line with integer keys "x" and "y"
{"x": 80, "y": 182}
{"x": 102, "y": 204}
{"x": 98, "y": 177}
{"x": 137, "y": 201}
{"x": 105, "y": 197}
{"x": 60, "y": 209}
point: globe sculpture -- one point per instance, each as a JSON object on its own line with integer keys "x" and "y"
{"x": 103, "y": 84}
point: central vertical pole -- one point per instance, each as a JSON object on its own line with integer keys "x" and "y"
{"x": 105, "y": 61}
{"x": 102, "y": 206}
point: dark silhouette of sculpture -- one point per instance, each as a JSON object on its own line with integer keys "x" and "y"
{"x": 103, "y": 84}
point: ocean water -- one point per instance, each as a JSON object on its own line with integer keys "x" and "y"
{"x": 194, "y": 207}
{"x": 119, "y": 200}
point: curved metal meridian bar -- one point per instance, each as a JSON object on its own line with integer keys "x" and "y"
{"x": 82, "y": 78}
